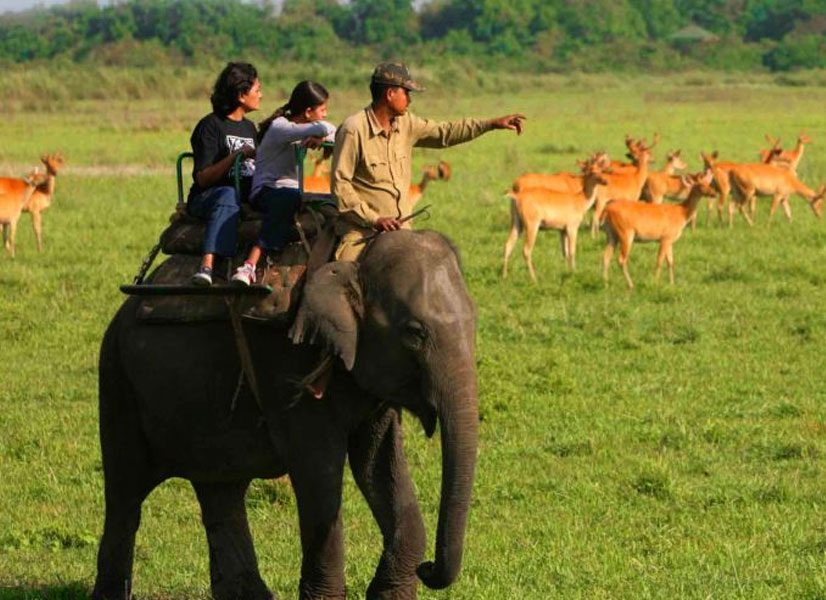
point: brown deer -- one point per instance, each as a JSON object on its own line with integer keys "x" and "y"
{"x": 562, "y": 181}
{"x": 785, "y": 158}
{"x": 665, "y": 183}
{"x": 749, "y": 181}
{"x": 533, "y": 209}
{"x": 441, "y": 171}
{"x": 624, "y": 186}
{"x": 626, "y": 221}
{"x": 14, "y": 195}
{"x": 318, "y": 182}
{"x": 722, "y": 184}
{"x": 41, "y": 198}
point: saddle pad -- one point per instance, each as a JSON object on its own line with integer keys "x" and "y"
{"x": 277, "y": 309}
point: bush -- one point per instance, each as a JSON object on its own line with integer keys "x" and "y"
{"x": 797, "y": 52}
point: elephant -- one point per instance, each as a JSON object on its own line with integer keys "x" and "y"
{"x": 400, "y": 327}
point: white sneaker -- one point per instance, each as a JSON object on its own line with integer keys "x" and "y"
{"x": 244, "y": 275}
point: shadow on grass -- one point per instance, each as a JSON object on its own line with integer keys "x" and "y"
{"x": 65, "y": 591}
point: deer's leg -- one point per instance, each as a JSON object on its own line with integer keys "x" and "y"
{"x": 572, "y": 233}
{"x": 527, "y": 250}
{"x": 599, "y": 207}
{"x": 233, "y": 566}
{"x": 563, "y": 245}
{"x": 11, "y": 241}
{"x": 776, "y": 200}
{"x": 626, "y": 242}
{"x": 610, "y": 245}
{"x": 787, "y": 208}
{"x": 669, "y": 258}
{"x": 516, "y": 228}
{"x": 661, "y": 253}
{"x": 743, "y": 210}
{"x": 37, "y": 225}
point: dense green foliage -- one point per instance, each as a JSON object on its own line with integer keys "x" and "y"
{"x": 666, "y": 443}
{"x": 526, "y": 34}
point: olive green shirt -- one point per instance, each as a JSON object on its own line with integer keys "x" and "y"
{"x": 371, "y": 169}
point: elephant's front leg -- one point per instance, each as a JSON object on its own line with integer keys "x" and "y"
{"x": 380, "y": 469}
{"x": 232, "y": 562}
{"x": 316, "y": 471}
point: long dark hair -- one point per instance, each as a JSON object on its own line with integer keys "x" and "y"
{"x": 236, "y": 79}
{"x": 307, "y": 94}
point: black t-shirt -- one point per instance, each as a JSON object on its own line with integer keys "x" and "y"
{"x": 214, "y": 138}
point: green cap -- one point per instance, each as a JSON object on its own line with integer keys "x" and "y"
{"x": 390, "y": 73}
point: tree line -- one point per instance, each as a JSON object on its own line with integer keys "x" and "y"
{"x": 533, "y": 35}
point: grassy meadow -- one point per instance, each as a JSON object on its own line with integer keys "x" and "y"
{"x": 668, "y": 442}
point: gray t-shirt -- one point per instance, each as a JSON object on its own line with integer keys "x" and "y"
{"x": 275, "y": 164}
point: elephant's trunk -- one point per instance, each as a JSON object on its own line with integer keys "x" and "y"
{"x": 458, "y": 413}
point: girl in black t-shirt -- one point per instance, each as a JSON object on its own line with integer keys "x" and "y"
{"x": 216, "y": 140}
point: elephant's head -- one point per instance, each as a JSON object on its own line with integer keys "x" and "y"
{"x": 402, "y": 321}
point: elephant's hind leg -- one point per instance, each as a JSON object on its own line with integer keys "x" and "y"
{"x": 128, "y": 479}
{"x": 232, "y": 562}
{"x": 380, "y": 469}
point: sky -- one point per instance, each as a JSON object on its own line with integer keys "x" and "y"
{"x": 21, "y": 5}
{"x": 18, "y": 5}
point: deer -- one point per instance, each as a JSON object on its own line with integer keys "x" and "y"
{"x": 318, "y": 182}
{"x": 660, "y": 184}
{"x": 441, "y": 171}
{"x": 721, "y": 170}
{"x": 562, "y": 181}
{"x": 538, "y": 208}
{"x": 750, "y": 180}
{"x": 618, "y": 166}
{"x": 624, "y": 186}
{"x": 14, "y": 195}
{"x": 785, "y": 158}
{"x": 41, "y": 198}
{"x": 627, "y": 221}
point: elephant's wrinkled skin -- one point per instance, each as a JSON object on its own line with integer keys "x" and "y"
{"x": 404, "y": 326}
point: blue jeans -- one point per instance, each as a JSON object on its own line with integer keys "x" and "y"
{"x": 220, "y": 208}
{"x": 279, "y": 206}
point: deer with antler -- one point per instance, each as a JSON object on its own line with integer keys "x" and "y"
{"x": 785, "y": 158}
{"x": 538, "y": 208}
{"x": 625, "y": 186}
{"x": 627, "y": 221}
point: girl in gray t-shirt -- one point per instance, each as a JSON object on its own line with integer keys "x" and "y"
{"x": 275, "y": 182}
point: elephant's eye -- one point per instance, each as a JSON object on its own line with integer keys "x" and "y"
{"x": 414, "y": 333}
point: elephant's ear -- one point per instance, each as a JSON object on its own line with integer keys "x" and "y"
{"x": 330, "y": 310}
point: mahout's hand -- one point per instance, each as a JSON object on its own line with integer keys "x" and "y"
{"x": 514, "y": 122}
{"x": 387, "y": 224}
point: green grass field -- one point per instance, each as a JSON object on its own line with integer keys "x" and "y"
{"x": 668, "y": 442}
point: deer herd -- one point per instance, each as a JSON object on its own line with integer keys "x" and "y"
{"x": 628, "y": 199}
{"x": 32, "y": 194}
